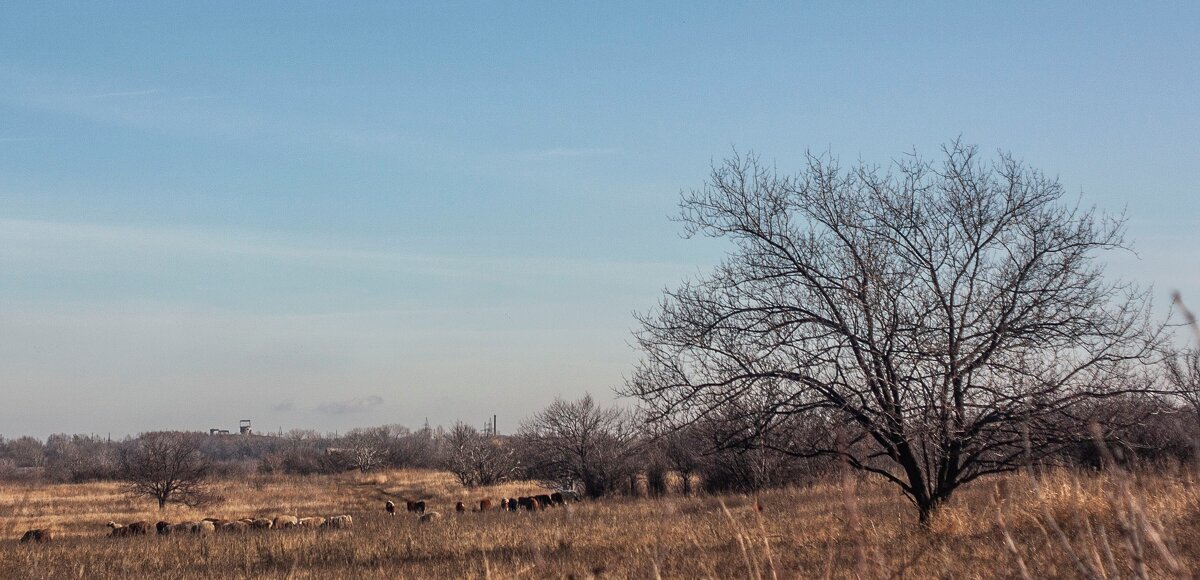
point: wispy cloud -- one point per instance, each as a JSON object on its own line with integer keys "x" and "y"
{"x": 284, "y": 406}
{"x": 359, "y": 405}
{"x": 117, "y": 94}
{"x": 575, "y": 152}
{"x": 32, "y": 241}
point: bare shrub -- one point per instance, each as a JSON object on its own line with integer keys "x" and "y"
{"x": 168, "y": 467}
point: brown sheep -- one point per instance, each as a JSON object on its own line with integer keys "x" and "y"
{"x": 460, "y": 507}
{"x": 416, "y": 507}
{"x": 261, "y": 524}
{"x": 163, "y": 528}
{"x": 285, "y": 522}
{"x": 390, "y": 508}
{"x": 513, "y": 505}
{"x": 485, "y": 505}
{"x": 313, "y": 522}
{"x": 528, "y": 503}
{"x": 204, "y": 527}
{"x": 556, "y": 498}
{"x": 543, "y": 500}
{"x": 234, "y": 527}
{"x": 429, "y": 517}
{"x": 139, "y": 528}
{"x": 37, "y": 535}
{"x": 338, "y": 522}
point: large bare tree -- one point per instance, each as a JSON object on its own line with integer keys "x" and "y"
{"x": 168, "y": 467}
{"x": 924, "y": 321}
{"x": 582, "y": 442}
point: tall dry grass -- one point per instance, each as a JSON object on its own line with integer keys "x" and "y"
{"x": 1055, "y": 524}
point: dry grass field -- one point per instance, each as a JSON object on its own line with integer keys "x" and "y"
{"x": 1059, "y": 525}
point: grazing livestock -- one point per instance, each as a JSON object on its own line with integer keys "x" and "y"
{"x": 429, "y": 517}
{"x": 338, "y": 522}
{"x": 313, "y": 522}
{"x": 37, "y": 535}
{"x": 139, "y": 528}
{"x": 285, "y": 522}
{"x": 504, "y": 504}
{"x": 556, "y": 498}
{"x": 234, "y": 527}
{"x": 390, "y": 507}
{"x": 513, "y": 505}
{"x": 163, "y": 528}
{"x": 119, "y": 530}
{"x": 416, "y": 507}
{"x": 543, "y": 500}
{"x": 204, "y": 527}
{"x": 486, "y": 505}
{"x": 460, "y": 507}
{"x": 528, "y": 503}
{"x": 261, "y": 524}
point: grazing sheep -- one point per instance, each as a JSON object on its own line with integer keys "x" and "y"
{"x": 139, "y": 528}
{"x": 261, "y": 524}
{"x": 234, "y": 527}
{"x": 338, "y": 522}
{"x": 119, "y": 530}
{"x": 313, "y": 522}
{"x": 204, "y": 527}
{"x": 485, "y": 505}
{"x": 417, "y": 507}
{"x": 528, "y": 503}
{"x": 556, "y": 498}
{"x": 460, "y": 507}
{"x": 37, "y": 535}
{"x": 543, "y": 500}
{"x": 390, "y": 508}
{"x": 429, "y": 517}
{"x": 163, "y": 528}
{"x": 285, "y": 522}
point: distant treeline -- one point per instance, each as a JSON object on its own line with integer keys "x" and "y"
{"x": 572, "y": 444}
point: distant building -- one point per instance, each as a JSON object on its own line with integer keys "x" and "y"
{"x": 244, "y": 427}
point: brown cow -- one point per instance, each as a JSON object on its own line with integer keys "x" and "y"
{"x": 390, "y": 508}
{"x": 485, "y": 505}
{"x": 38, "y": 535}
{"x": 417, "y": 507}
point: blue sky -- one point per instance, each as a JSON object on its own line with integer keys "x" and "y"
{"x": 321, "y": 215}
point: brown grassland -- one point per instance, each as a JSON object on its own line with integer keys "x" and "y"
{"x": 1059, "y": 524}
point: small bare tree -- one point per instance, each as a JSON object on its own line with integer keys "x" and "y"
{"x": 931, "y": 317}
{"x": 1183, "y": 377}
{"x": 477, "y": 459}
{"x": 580, "y": 441}
{"x": 364, "y": 449}
{"x": 168, "y": 467}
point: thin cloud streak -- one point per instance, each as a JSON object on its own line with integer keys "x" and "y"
{"x": 575, "y": 152}
{"x": 32, "y": 235}
{"x": 140, "y": 93}
{"x": 359, "y": 405}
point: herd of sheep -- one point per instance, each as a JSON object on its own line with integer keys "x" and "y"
{"x": 207, "y": 526}
{"x": 215, "y": 525}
